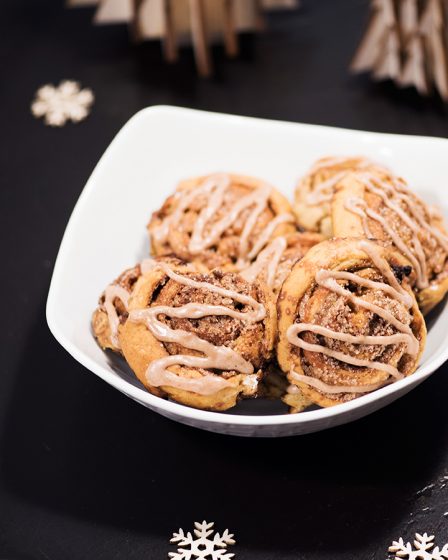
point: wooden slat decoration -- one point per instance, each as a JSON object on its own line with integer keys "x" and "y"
{"x": 406, "y": 41}
{"x": 176, "y": 22}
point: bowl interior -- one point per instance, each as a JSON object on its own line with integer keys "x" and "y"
{"x": 158, "y": 147}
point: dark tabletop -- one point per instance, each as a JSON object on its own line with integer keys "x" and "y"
{"x": 86, "y": 473}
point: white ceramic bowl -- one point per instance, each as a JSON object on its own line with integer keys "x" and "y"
{"x": 158, "y": 147}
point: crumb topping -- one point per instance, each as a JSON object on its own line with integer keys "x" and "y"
{"x": 218, "y": 330}
{"x": 226, "y": 249}
{"x": 323, "y": 307}
{"x": 435, "y": 255}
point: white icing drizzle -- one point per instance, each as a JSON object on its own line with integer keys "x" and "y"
{"x": 267, "y": 233}
{"x": 268, "y": 260}
{"x": 417, "y": 262}
{"x": 357, "y": 205}
{"x": 257, "y": 198}
{"x": 217, "y": 182}
{"x": 335, "y": 389}
{"x": 391, "y": 194}
{"x": 399, "y": 190}
{"x": 328, "y": 279}
{"x": 320, "y": 194}
{"x": 383, "y": 266}
{"x": 214, "y": 188}
{"x": 213, "y": 357}
{"x": 218, "y": 185}
{"x": 391, "y": 370}
{"x": 111, "y": 293}
{"x": 323, "y": 192}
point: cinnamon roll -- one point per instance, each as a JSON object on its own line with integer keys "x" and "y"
{"x": 275, "y": 261}
{"x": 201, "y": 339}
{"x": 220, "y": 220}
{"x": 314, "y": 192}
{"x": 366, "y": 204}
{"x": 112, "y": 310}
{"x": 349, "y": 322}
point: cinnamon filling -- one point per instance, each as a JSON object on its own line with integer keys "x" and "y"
{"x": 365, "y": 323}
{"x": 112, "y": 293}
{"x": 218, "y": 208}
{"x": 323, "y": 192}
{"x": 115, "y": 300}
{"x": 268, "y": 261}
{"x": 276, "y": 260}
{"x": 169, "y": 324}
{"x": 413, "y": 219}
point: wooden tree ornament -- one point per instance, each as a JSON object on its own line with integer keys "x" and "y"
{"x": 433, "y": 29}
{"x": 406, "y": 42}
{"x": 178, "y": 21}
{"x": 413, "y": 72}
{"x": 371, "y": 49}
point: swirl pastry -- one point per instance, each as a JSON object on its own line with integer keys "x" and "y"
{"x": 365, "y": 204}
{"x": 314, "y": 192}
{"x": 220, "y": 220}
{"x": 112, "y": 310}
{"x": 276, "y": 260}
{"x": 348, "y": 321}
{"x": 200, "y": 339}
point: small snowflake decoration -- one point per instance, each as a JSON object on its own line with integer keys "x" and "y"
{"x": 423, "y": 549}
{"x": 60, "y": 104}
{"x": 201, "y": 546}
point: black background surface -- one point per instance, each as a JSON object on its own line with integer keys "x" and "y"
{"x": 85, "y": 472}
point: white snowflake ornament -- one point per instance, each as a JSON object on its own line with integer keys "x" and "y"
{"x": 423, "y": 549}
{"x": 201, "y": 546}
{"x": 60, "y": 104}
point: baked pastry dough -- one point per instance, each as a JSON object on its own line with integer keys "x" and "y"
{"x": 197, "y": 323}
{"x": 220, "y": 220}
{"x": 276, "y": 260}
{"x": 112, "y": 309}
{"x": 199, "y": 339}
{"x": 348, "y": 321}
{"x": 367, "y": 205}
{"x": 314, "y": 192}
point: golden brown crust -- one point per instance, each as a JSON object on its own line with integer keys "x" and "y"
{"x": 279, "y": 266}
{"x": 346, "y": 223}
{"x": 225, "y": 253}
{"x": 127, "y": 280}
{"x": 101, "y": 330}
{"x": 434, "y": 293}
{"x": 313, "y": 209}
{"x": 298, "y": 244}
{"x": 100, "y": 321}
{"x": 254, "y": 342}
{"x": 321, "y": 207}
{"x": 303, "y": 301}
{"x": 297, "y": 401}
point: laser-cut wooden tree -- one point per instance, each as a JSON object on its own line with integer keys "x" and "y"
{"x": 406, "y": 41}
{"x": 178, "y": 21}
